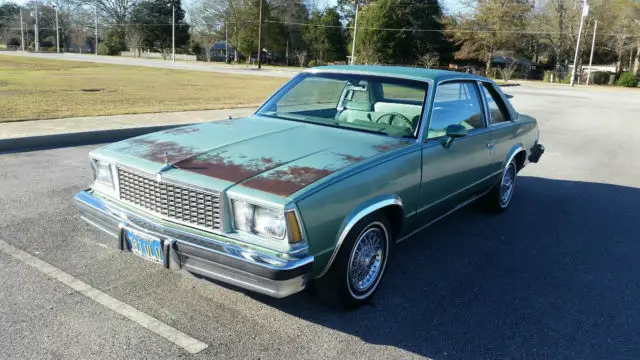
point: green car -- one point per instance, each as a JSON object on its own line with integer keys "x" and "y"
{"x": 317, "y": 186}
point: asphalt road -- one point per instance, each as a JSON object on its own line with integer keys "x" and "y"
{"x": 556, "y": 277}
{"x": 158, "y": 63}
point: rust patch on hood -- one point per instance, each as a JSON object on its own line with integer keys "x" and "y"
{"x": 351, "y": 159}
{"x": 217, "y": 166}
{"x": 183, "y": 130}
{"x": 287, "y": 181}
{"x": 158, "y": 150}
{"x": 385, "y": 147}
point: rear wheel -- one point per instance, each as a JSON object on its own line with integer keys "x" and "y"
{"x": 358, "y": 268}
{"x": 499, "y": 197}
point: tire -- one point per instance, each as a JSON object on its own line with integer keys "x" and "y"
{"x": 337, "y": 287}
{"x": 496, "y": 200}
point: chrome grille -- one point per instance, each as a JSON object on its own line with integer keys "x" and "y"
{"x": 170, "y": 201}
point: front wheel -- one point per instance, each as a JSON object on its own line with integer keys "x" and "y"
{"x": 358, "y": 268}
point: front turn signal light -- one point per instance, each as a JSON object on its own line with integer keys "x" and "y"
{"x": 293, "y": 228}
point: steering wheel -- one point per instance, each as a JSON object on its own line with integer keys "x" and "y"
{"x": 392, "y": 117}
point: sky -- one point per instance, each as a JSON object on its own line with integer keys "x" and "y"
{"x": 448, "y": 4}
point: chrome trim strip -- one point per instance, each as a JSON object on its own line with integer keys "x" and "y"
{"x": 463, "y": 204}
{"x": 353, "y": 221}
{"x": 134, "y": 220}
{"x": 100, "y": 227}
{"x": 461, "y": 190}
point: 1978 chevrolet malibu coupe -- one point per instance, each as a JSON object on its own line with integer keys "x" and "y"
{"x": 317, "y": 186}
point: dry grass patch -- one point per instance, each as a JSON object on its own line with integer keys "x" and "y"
{"x": 45, "y": 89}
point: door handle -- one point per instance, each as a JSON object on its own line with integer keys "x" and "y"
{"x": 491, "y": 147}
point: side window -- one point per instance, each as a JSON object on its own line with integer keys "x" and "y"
{"x": 455, "y": 103}
{"x": 497, "y": 109}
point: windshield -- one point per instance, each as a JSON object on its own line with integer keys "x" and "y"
{"x": 359, "y": 102}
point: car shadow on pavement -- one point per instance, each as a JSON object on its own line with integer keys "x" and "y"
{"x": 556, "y": 276}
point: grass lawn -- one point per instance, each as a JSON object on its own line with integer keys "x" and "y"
{"x": 45, "y": 89}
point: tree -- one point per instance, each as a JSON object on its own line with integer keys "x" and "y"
{"x": 134, "y": 39}
{"x": 400, "y": 31}
{"x": 325, "y": 36}
{"x": 154, "y": 19}
{"x": 9, "y": 18}
{"x": 113, "y": 42}
{"x": 301, "y": 55}
{"x": 429, "y": 59}
{"x": 493, "y": 25}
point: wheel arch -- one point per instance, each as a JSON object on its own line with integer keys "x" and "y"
{"x": 390, "y": 204}
{"x": 518, "y": 153}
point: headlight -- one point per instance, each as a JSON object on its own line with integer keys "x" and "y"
{"x": 269, "y": 223}
{"x": 102, "y": 173}
{"x": 258, "y": 220}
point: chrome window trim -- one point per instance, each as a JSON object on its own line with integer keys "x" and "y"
{"x": 480, "y": 99}
{"x": 490, "y": 122}
{"x": 147, "y": 174}
{"x": 394, "y": 200}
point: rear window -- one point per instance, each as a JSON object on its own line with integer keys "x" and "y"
{"x": 403, "y": 93}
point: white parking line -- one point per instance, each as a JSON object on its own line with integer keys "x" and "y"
{"x": 174, "y": 335}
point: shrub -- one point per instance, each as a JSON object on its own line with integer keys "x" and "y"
{"x": 600, "y": 77}
{"x": 102, "y": 49}
{"x": 566, "y": 79}
{"x": 627, "y": 79}
{"x": 547, "y": 76}
{"x": 113, "y": 43}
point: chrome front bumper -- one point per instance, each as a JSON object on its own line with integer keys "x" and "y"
{"x": 212, "y": 257}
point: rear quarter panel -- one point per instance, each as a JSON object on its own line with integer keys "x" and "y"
{"x": 326, "y": 211}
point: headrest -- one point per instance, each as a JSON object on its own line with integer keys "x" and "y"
{"x": 358, "y": 105}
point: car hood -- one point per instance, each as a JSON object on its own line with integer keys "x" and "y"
{"x": 272, "y": 155}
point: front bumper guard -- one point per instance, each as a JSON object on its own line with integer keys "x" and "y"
{"x": 275, "y": 276}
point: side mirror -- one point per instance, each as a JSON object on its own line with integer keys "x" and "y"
{"x": 454, "y": 132}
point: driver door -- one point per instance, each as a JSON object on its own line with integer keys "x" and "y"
{"x": 452, "y": 175}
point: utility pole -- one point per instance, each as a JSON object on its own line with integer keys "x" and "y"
{"x": 57, "y": 31}
{"x": 260, "y": 38}
{"x": 355, "y": 33}
{"x": 585, "y": 12}
{"x": 21, "y": 31}
{"x": 96, "y": 29}
{"x": 173, "y": 33}
{"x": 226, "y": 42}
{"x": 37, "y": 30}
{"x": 593, "y": 44}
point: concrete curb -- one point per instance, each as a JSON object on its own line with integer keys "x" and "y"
{"x": 41, "y": 142}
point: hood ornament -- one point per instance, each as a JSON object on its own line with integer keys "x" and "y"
{"x": 166, "y": 167}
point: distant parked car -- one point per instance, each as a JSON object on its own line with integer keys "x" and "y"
{"x": 319, "y": 184}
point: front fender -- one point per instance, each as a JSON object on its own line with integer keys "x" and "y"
{"x": 357, "y": 214}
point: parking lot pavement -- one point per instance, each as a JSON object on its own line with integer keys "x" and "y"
{"x": 553, "y": 278}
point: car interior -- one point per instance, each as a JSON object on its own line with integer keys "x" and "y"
{"x": 366, "y": 104}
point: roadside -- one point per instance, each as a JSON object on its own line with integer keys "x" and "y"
{"x": 80, "y": 124}
{"x": 166, "y": 64}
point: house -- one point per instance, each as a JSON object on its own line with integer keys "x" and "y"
{"x": 218, "y": 51}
